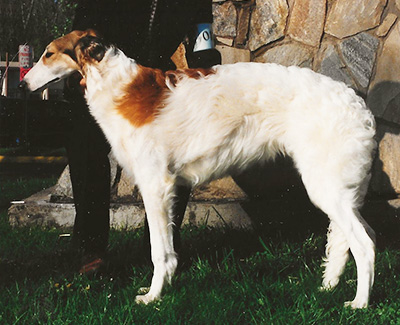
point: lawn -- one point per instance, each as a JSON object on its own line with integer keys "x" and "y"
{"x": 225, "y": 276}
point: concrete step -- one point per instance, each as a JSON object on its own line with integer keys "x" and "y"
{"x": 38, "y": 210}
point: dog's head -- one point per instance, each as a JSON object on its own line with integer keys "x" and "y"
{"x": 64, "y": 56}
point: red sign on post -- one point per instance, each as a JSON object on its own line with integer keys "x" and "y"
{"x": 25, "y": 60}
{"x": 22, "y": 73}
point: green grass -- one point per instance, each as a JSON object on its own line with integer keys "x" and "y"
{"x": 20, "y": 188}
{"x": 226, "y": 276}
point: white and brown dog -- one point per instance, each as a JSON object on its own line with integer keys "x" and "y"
{"x": 191, "y": 126}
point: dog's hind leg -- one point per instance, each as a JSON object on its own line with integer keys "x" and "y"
{"x": 157, "y": 197}
{"x": 337, "y": 254}
{"x": 340, "y": 206}
{"x": 362, "y": 245}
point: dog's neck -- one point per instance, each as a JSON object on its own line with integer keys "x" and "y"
{"x": 110, "y": 75}
{"x": 118, "y": 86}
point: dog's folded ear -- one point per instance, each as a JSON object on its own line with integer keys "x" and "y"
{"x": 93, "y": 47}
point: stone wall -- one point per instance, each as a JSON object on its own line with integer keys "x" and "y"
{"x": 356, "y": 42}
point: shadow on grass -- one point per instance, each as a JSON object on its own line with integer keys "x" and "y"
{"x": 35, "y": 253}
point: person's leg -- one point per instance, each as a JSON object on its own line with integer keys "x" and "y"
{"x": 90, "y": 176}
{"x": 183, "y": 195}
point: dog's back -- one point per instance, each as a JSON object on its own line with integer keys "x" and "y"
{"x": 245, "y": 112}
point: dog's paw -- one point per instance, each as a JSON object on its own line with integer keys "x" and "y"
{"x": 328, "y": 285}
{"x": 324, "y": 289}
{"x": 356, "y": 304}
{"x": 143, "y": 290}
{"x": 146, "y": 299}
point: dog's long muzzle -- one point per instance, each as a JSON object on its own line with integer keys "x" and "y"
{"x": 25, "y": 87}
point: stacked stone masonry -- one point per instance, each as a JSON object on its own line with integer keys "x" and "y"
{"x": 356, "y": 42}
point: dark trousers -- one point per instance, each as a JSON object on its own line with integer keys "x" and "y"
{"x": 90, "y": 176}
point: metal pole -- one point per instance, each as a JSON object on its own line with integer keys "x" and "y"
{"x": 25, "y": 99}
{"x": 6, "y": 77}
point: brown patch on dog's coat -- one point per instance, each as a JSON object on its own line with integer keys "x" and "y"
{"x": 144, "y": 96}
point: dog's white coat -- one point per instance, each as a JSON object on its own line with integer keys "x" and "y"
{"x": 222, "y": 123}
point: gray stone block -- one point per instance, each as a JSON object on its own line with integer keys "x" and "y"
{"x": 359, "y": 53}
{"x": 332, "y": 66}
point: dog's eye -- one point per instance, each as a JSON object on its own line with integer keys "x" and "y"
{"x": 49, "y": 54}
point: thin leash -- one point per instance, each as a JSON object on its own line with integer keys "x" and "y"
{"x": 150, "y": 30}
{"x": 153, "y": 9}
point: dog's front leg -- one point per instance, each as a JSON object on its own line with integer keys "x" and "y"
{"x": 158, "y": 199}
